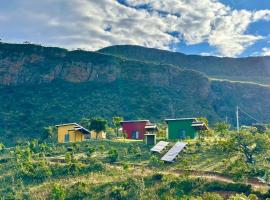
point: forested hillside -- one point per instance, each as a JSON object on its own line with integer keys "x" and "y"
{"x": 45, "y": 86}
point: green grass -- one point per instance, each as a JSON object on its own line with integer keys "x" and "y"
{"x": 98, "y": 184}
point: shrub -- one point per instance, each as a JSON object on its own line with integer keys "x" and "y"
{"x": 57, "y": 192}
{"x": 77, "y": 191}
{"x": 157, "y": 177}
{"x": 101, "y": 147}
{"x": 154, "y": 161}
{"x": 113, "y": 155}
{"x": 137, "y": 152}
{"x": 118, "y": 193}
{"x": 234, "y": 187}
{"x": 90, "y": 151}
{"x": 211, "y": 196}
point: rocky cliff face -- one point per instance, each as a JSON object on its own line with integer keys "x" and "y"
{"x": 35, "y": 67}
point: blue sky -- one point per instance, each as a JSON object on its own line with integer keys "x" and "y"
{"x": 233, "y": 28}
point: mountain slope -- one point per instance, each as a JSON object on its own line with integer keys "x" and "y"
{"x": 253, "y": 69}
{"x": 42, "y": 86}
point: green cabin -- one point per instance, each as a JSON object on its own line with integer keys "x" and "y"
{"x": 183, "y": 128}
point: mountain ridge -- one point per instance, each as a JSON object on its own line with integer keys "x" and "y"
{"x": 253, "y": 69}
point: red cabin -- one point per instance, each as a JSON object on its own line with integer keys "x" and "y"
{"x": 135, "y": 129}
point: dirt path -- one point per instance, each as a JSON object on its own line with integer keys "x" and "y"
{"x": 215, "y": 176}
{"x": 255, "y": 183}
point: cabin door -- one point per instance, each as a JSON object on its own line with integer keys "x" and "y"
{"x": 182, "y": 134}
{"x": 67, "y": 137}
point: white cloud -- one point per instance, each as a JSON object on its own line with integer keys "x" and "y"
{"x": 266, "y": 52}
{"x": 92, "y": 24}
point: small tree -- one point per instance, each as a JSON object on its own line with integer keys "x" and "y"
{"x": 113, "y": 155}
{"x": 250, "y": 145}
{"x": 50, "y": 133}
{"x": 58, "y": 192}
{"x": 116, "y": 124}
{"x": 85, "y": 122}
{"x": 203, "y": 119}
{"x": 222, "y": 128}
{"x": 125, "y": 135}
{"x": 98, "y": 125}
{"x": 2, "y": 147}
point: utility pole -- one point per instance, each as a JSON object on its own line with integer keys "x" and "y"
{"x": 237, "y": 118}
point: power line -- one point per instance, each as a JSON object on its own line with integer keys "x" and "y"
{"x": 250, "y": 116}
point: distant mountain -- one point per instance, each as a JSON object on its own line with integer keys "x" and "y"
{"x": 43, "y": 86}
{"x": 252, "y": 69}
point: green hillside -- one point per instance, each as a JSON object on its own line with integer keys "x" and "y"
{"x": 43, "y": 86}
{"x": 114, "y": 169}
{"x": 253, "y": 69}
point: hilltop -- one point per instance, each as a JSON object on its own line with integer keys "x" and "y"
{"x": 42, "y": 86}
{"x": 250, "y": 69}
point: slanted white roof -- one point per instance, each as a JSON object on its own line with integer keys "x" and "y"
{"x": 76, "y": 127}
{"x": 159, "y": 147}
{"x": 67, "y": 124}
{"x": 174, "y": 151}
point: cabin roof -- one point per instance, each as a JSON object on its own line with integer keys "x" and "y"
{"x": 134, "y": 121}
{"x": 181, "y": 119}
{"x": 199, "y": 126}
{"x": 77, "y": 127}
{"x": 67, "y": 124}
{"x": 151, "y": 126}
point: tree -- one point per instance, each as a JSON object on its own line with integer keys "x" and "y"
{"x": 85, "y": 122}
{"x": 125, "y": 135}
{"x": 203, "y": 119}
{"x": 222, "y": 128}
{"x": 50, "y": 132}
{"x": 250, "y": 145}
{"x": 116, "y": 124}
{"x": 2, "y": 147}
{"x": 98, "y": 125}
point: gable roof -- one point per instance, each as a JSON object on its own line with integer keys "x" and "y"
{"x": 77, "y": 127}
{"x": 67, "y": 124}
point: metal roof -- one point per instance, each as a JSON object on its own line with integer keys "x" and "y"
{"x": 133, "y": 121}
{"x": 67, "y": 124}
{"x": 180, "y": 119}
{"x": 199, "y": 125}
{"x": 160, "y": 146}
{"x": 76, "y": 127}
{"x": 150, "y": 126}
{"x": 174, "y": 151}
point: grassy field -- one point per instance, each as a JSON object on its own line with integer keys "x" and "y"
{"x": 92, "y": 172}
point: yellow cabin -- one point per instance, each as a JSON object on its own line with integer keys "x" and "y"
{"x": 72, "y": 132}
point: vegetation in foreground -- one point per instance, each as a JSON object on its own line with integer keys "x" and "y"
{"x": 220, "y": 164}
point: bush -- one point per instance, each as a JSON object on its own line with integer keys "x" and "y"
{"x": 233, "y": 187}
{"x": 113, "y": 155}
{"x": 57, "y": 192}
{"x": 154, "y": 161}
{"x": 211, "y": 196}
{"x": 157, "y": 177}
{"x": 77, "y": 191}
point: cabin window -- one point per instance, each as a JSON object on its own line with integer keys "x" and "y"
{"x": 182, "y": 134}
{"x": 67, "y": 137}
{"x": 135, "y": 135}
{"x": 87, "y": 136}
